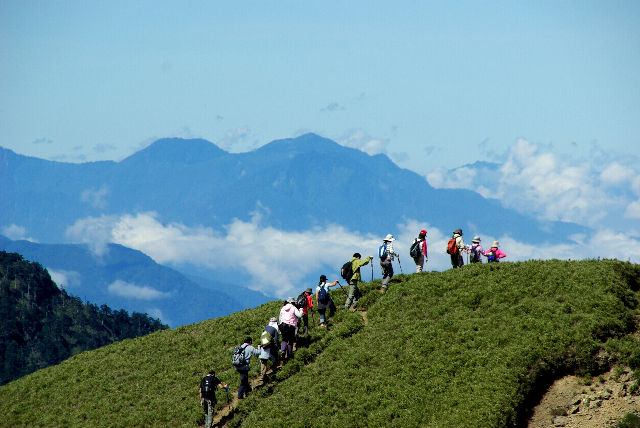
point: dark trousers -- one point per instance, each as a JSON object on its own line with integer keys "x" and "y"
{"x": 387, "y": 272}
{"x": 244, "y": 388}
{"x": 457, "y": 260}
{"x": 305, "y": 323}
{"x": 332, "y": 310}
{"x": 288, "y": 337}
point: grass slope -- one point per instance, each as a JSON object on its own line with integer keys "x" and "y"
{"x": 467, "y": 347}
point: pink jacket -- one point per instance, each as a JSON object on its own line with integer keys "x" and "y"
{"x": 499, "y": 253}
{"x": 289, "y": 314}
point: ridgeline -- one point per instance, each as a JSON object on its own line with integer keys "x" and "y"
{"x": 475, "y": 346}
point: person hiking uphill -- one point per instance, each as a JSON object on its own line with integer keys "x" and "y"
{"x": 305, "y": 310}
{"x": 494, "y": 254}
{"x": 323, "y": 297}
{"x": 418, "y": 250}
{"x": 242, "y": 362}
{"x": 270, "y": 345}
{"x": 288, "y": 322}
{"x": 476, "y": 250}
{"x": 387, "y": 255}
{"x": 455, "y": 247}
{"x": 208, "y": 396}
{"x": 354, "y": 291}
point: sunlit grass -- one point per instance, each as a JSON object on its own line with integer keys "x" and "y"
{"x": 456, "y": 348}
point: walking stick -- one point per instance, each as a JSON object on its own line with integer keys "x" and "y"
{"x": 345, "y": 293}
{"x": 400, "y": 264}
{"x": 371, "y": 272}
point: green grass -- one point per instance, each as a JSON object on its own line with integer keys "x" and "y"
{"x": 467, "y": 347}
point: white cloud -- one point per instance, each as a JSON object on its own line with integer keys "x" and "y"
{"x": 233, "y": 138}
{"x": 278, "y": 261}
{"x": 16, "y": 233}
{"x": 66, "y": 278}
{"x": 157, "y": 313}
{"x": 93, "y": 231}
{"x": 538, "y": 182}
{"x": 95, "y": 197}
{"x": 633, "y": 210}
{"x": 359, "y": 139}
{"x": 616, "y": 174}
{"x": 129, "y": 290}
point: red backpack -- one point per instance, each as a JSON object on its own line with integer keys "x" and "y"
{"x": 452, "y": 248}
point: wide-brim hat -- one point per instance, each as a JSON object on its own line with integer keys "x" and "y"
{"x": 308, "y": 290}
{"x": 291, "y": 300}
{"x": 476, "y": 239}
{"x": 458, "y": 231}
{"x": 495, "y": 244}
{"x": 389, "y": 237}
{"x": 323, "y": 277}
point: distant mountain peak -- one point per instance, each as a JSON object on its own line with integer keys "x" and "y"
{"x": 186, "y": 151}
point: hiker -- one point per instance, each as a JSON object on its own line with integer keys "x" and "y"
{"x": 306, "y": 294}
{"x": 456, "y": 253}
{"x": 418, "y": 250}
{"x": 476, "y": 250}
{"x": 243, "y": 365}
{"x": 387, "y": 255}
{"x": 323, "y": 297}
{"x": 270, "y": 345}
{"x": 288, "y": 323}
{"x": 354, "y": 291}
{"x": 494, "y": 254}
{"x": 208, "y": 396}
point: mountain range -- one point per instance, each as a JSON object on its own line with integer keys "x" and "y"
{"x": 299, "y": 182}
{"x": 303, "y": 183}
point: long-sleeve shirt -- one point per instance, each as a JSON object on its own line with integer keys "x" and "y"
{"x": 289, "y": 314}
{"x": 356, "y": 264}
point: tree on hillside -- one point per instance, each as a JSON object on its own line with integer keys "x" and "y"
{"x": 42, "y": 325}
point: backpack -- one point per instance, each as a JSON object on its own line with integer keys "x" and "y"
{"x": 475, "y": 255}
{"x": 301, "y": 301}
{"x": 492, "y": 257}
{"x": 238, "y": 359}
{"x": 414, "y": 251}
{"x": 207, "y": 385}
{"x": 347, "y": 271}
{"x": 382, "y": 251}
{"x": 265, "y": 338}
{"x": 452, "y": 248}
{"x": 323, "y": 295}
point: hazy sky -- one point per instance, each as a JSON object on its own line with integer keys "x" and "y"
{"x": 431, "y": 84}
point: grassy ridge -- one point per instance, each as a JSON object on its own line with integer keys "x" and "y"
{"x": 461, "y": 348}
{"x": 456, "y": 348}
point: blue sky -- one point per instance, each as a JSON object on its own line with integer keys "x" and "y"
{"x": 428, "y": 83}
{"x": 547, "y": 91}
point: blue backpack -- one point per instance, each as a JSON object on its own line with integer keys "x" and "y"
{"x": 382, "y": 251}
{"x": 323, "y": 295}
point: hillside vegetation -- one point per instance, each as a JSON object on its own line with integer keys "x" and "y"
{"x": 41, "y": 325}
{"x": 469, "y": 347}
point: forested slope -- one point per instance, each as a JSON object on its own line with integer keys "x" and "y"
{"x": 469, "y": 347}
{"x": 41, "y": 325}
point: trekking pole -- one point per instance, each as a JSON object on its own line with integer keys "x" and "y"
{"x": 345, "y": 293}
{"x": 400, "y": 264}
{"x": 371, "y": 272}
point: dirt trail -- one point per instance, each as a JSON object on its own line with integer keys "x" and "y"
{"x": 222, "y": 414}
{"x": 570, "y": 403}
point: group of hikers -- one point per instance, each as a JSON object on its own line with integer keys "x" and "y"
{"x": 279, "y": 335}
